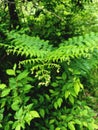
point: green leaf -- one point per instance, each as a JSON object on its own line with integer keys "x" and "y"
{"x": 18, "y": 127}
{"x": 85, "y": 123}
{"x": 71, "y": 99}
{"x": 59, "y": 102}
{"x": 90, "y": 126}
{"x": 5, "y": 92}
{"x": 51, "y": 91}
{"x": 19, "y": 113}
{"x": 1, "y": 116}
{"x": 55, "y": 105}
{"x": 34, "y": 114}
{"x": 76, "y": 87}
{"x": 19, "y": 124}
{"x": 42, "y": 112}
{"x": 14, "y": 68}
{"x": 84, "y": 112}
{"x": 27, "y": 87}
{"x": 28, "y": 107}
{"x": 28, "y": 118}
{"x": 15, "y": 106}
{"x": 63, "y": 128}
{"x": 22, "y": 75}
{"x": 15, "y": 123}
{"x": 63, "y": 117}
{"x": 81, "y": 85}
{"x": 95, "y": 126}
{"x": 67, "y": 93}
{"x": 10, "y": 72}
{"x": 64, "y": 76}
{"x": 1, "y": 126}
{"x": 69, "y": 118}
{"x": 12, "y": 83}
{"x": 54, "y": 84}
{"x": 77, "y": 121}
{"x": 31, "y": 115}
{"x": 51, "y": 121}
{"x": 52, "y": 127}
{"x": 57, "y": 128}
{"x": 71, "y": 126}
{"x": 2, "y": 86}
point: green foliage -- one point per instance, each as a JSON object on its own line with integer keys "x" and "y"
{"x": 85, "y": 21}
{"x": 54, "y": 89}
{"x": 60, "y": 20}
{"x": 53, "y": 19}
{"x": 41, "y": 57}
{"x": 49, "y": 88}
{"x": 15, "y": 108}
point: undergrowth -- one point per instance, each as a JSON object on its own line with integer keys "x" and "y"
{"x": 49, "y": 83}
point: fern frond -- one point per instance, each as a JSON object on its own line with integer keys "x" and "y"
{"x": 28, "y": 41}
{"x": 43, "y": 56}
{"x": 32, "y": 47}
{"x": 81, "y": 46}
{"x": 80, "y": 40}
{"x": 65, "y": 53}
{"x": 31, "y": 61}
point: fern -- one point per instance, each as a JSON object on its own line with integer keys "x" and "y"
{"x": 43, "y": 56}
{"x": 33, "y": 47}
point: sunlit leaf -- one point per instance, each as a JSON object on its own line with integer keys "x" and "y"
{"x": 22, "y": 75}
{"x": 67, "y": 93}
{"x": 76, "y": 87}
{"x": 10, "y": 72}
{"x": 5, "y": 92}
{"x": 2, "y": 86}
{"x": 71, "y": 126}
{"x": 51, "y": 121}
{"x": 34, "y": 114}
{"x": 59, "y": 102}
{"x": 18, "y": 127}
{"x": 19, "y": 113}
{"x": 71, "y": 99}
{"x": 15, "y": 105}
{"x": 57, "y": 128}
{"x": 1, "y": 126}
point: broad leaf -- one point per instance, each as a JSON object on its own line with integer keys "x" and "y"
{"x": 76, "y": 87}
{"x": 42, "y": 112}
{"x": 22, "y": 75}
{"x": 67, "y": 93}
{"x": 71, "y": 126}
{"x": 5, "y": 92}
{"x": 34, "y": 114}
{"x": 10, "y": 72}
{"x": 2, "y": 86}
